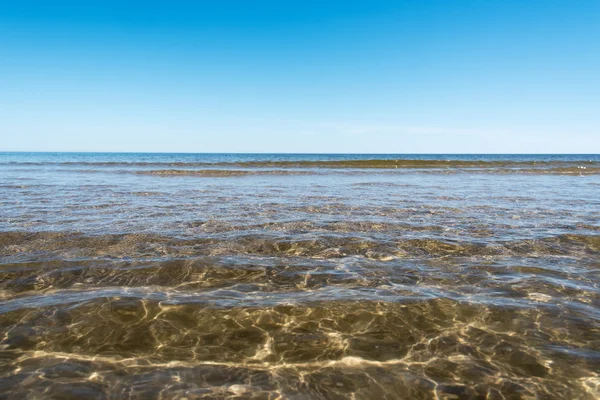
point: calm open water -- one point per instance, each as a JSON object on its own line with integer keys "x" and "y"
{"x": 186, "y": 276}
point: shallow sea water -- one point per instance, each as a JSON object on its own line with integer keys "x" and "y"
{"x": 188, "y": 276}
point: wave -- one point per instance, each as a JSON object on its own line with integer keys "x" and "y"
{"x": 216, "y": 173}
{"x": 213, "y": 173}
{"x": 240, "y": 169}
{"x": 324, "y": 245}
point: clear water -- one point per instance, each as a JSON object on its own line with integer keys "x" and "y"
{"x": 299, "y": 276}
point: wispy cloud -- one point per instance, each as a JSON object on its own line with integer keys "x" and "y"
{"x": 361, "y": 128}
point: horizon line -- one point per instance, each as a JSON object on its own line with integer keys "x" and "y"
{"x": 278, "y": 153}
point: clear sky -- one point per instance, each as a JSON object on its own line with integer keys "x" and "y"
{"x": 478, "y": 76}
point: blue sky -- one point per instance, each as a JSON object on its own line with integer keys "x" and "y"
{"x": 301, "y": 76}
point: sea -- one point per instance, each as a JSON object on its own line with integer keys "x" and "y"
{"x": 299, "y": 276}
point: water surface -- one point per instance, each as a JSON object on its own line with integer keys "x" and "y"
{"x": 182, "y": 276}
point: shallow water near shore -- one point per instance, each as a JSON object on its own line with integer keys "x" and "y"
{"x": 184, "y": 276}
